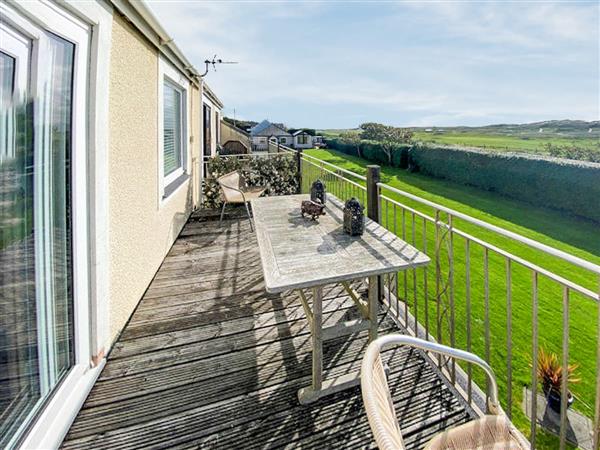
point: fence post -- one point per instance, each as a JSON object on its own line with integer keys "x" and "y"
{"x": 299, "y": 166}
{"x": 373, "y": 176}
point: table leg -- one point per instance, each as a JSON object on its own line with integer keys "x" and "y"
{"x": 317, "y": 339}
{"x": 319, "y": 387}
{"x": 373, "y": 306}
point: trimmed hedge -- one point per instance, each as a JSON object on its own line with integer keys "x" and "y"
{"x": 371, "y": 151}
{"x": 279, "y": 174}
{"x": 571, "y": 186}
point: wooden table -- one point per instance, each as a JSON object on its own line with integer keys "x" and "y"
{"x": 299, "y": 253}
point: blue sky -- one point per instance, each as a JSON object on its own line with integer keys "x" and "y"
{"x": 338, "y": 64}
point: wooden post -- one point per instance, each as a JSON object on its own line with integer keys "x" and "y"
{"x": 373, "y": 175}
{"x": 375, "y": 292}
{"x": 299, "y": 165}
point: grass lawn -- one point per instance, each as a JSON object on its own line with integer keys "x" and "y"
{"x": 563, "y": 231}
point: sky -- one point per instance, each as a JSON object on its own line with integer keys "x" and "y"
{"x": 339, "y": 64}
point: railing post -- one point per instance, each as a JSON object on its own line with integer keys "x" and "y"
{"x": 299, "y": 166}
{"x": 373, "y": 177}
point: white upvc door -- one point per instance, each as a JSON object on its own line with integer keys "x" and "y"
{"x": 44, "y": 222}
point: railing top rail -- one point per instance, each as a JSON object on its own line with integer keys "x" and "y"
{"x": 249, "y": 155}
{"x": 337, "y": 168}
{"x": 354, "y": 183}
{"x": 502, "y": 231}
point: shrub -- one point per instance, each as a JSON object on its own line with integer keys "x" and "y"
{"x": 279, "y": 174}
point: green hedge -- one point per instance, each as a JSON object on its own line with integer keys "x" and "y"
{"x": 371, "y": 151}
{"x": 571, "y": 186}
{"x": 279, "y": 174}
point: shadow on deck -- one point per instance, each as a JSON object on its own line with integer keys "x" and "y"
{"x": 210, "y": 360}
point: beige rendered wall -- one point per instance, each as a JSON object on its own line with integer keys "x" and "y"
{"x": 141, "y": 229}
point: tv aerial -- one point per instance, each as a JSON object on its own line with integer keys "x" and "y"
{"x": 213, "y": 62}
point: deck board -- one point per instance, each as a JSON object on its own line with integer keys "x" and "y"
{"x": 210, "y": 360}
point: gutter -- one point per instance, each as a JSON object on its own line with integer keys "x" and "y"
{"x": 140, "y": 16}
{"x": 211, "y": 95}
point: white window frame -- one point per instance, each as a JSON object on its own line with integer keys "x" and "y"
{"x": 166, "y": 72}
{"x": 215, "y": 121}
{"x": 87, "y": 25}
{"x": 217, "y": 127}
{"x": 17, "y": 46}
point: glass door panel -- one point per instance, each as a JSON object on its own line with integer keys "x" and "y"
{"x": 36, "y": 300}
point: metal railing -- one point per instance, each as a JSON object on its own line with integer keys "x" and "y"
{"x": 474, "y": 290}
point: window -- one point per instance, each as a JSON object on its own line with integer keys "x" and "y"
{"x": 173, "y": 129}
{"x": 283, "y": 140}
{"x": 302, "y": 139}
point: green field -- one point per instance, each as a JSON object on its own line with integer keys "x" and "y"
{"x": 504, "y": 143}
{"x": 568, "y": 233}
{"x": 518, "y": 138}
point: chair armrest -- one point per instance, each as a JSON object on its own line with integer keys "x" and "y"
{"x": 434, "y": 347}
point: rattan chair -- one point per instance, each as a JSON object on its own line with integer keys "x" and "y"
{"x": 492, "y": 431}
{"x": 235, "y": 191}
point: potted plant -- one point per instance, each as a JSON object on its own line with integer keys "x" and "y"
{"x": 550, "y": 373}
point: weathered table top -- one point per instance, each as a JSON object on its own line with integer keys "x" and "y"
{"x": 298, "y": 252}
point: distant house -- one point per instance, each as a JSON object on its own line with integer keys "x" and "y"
{"x": 266, "y": 131}
{"x": 303, "y": 139}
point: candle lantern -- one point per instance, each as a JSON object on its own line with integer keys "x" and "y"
{"x": 317, "y": 192}
{"x": 354, "y": 218}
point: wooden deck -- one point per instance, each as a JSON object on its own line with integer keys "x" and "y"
{"x": 210, "y": 360}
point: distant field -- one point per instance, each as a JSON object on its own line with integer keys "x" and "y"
{"x": 530, "y": 142}
{"x": 499, "y": 142}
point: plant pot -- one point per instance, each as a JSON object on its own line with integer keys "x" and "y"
{"x": 554, "y": 400}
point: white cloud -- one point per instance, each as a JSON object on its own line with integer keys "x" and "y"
{"x": 443, "y": 62}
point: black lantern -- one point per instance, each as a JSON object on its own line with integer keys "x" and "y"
{"x": 317, "y": 192}
{"x": 354, "y": 218}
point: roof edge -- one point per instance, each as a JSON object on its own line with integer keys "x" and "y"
{"x": 210, "y": 94}
{"x": 140, "y": 16}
